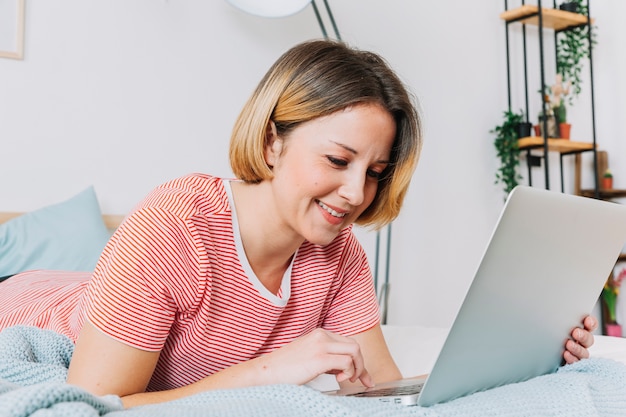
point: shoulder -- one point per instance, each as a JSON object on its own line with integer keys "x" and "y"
{"x": 189, "y": 199}
{"x": 184, "y": 196}
{"x": 177, "y": 211}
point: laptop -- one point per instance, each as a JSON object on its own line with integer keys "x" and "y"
{"x": 542, "y": 272}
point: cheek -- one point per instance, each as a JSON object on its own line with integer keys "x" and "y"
{"x": 313, "y": 177}
{"x": 305, "y": 180}
{"x": 372, "y": 189}
{"x": 369, "y": 193}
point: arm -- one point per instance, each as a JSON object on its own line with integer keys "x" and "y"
{"x": 103, "y": 365}
{"x": 378, "y": 359}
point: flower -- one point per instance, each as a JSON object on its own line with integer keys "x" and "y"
{"x": 559, "y": 90}
{"x": 610, "y": 293}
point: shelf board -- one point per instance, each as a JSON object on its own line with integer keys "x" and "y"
{"x": 552, "y": 18}
{"x": 604, "y": 194}
{"x": 554, "y": 145}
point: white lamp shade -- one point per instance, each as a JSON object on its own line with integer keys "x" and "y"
{"x": 270, "y": 8}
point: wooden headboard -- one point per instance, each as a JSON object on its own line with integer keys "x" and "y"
{"x": 112, "y": 221}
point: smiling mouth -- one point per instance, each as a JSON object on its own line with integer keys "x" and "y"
{"x": 331, "y": 211}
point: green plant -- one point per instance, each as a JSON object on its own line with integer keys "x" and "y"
{"x": 608, "y": 174}
{"x": 561, "y": 112}
{"x": 558, "y": 92}
{"x": 508, "y": 150}
{"x": 572, "y": 48}
{"x": 610, "y": 293}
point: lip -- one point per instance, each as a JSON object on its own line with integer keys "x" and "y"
{"x": 328, "y": 216}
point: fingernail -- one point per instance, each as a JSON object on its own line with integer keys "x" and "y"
{"x": 579, "y": 334}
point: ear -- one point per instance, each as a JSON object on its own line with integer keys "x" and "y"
{"x": 273, "y": 144}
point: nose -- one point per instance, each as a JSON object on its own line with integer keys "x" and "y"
{"x": 353, "y": 189}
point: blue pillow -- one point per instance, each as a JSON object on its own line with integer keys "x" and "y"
{"x": 66, "y": 236}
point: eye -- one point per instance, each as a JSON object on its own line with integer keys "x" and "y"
{"x": 336, "y": 161}
{"x": 379, "y": 171}
{"x": 374, "y": 174}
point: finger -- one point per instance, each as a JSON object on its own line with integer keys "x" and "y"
{"x": 576, "y": 350}
{"x": 366, "y": 379}
{"x": 348, "y": 363}
{"x": 583, "y": 337}
{"x": 350, "y": 348}
{"x": 364, "y": 376}
{"x": 360, "y": 374}
{"x": 590, "y": 323}
{"x": 341, "y": 366}
{"x": 346, "y": 359}
{"x": 569, "y": 358}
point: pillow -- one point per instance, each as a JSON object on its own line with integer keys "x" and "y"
{"x": 66, "y": 236}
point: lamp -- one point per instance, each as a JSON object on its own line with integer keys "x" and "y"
{"x": 283, "y": 8}
{"x": 275, "y": 8}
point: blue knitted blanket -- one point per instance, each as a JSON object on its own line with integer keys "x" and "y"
{"x": 33, "y": 367}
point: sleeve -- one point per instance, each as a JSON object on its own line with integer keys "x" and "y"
{"x": 354, "y": 308}
{"x": 147, "y": 277}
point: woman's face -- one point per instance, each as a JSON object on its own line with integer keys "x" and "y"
{"x": 326, "y": 170}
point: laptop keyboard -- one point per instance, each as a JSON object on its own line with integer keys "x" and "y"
{"x": 390, "y": 392}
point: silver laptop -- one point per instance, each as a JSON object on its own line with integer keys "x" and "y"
{"x": 542, "y": 272}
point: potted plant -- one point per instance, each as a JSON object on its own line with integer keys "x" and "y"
{"x": 550, "y": 124}
{"x": 559, "y": 91}
{"x": 507, "y": 148}
{"x": 609, "y": 304}
{"x": 561, "y": 115}
{"x": 572, "y": 48}
{"x": 569, "y": 6}
{"x": 523, "y": 128}
{"x": 607, "y": 180}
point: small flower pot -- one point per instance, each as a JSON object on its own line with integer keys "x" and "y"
{"x": 537, "y": 129}
{"x": 607, "y": 183}
{"x": 553, "y": 128}
{"x": 564, "y": 130}
{"x": 523, "y": 129}
{"x": 613, "y": 329}
{"x": 569, "y": 6}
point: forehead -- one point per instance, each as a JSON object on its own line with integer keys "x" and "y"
{"x": 358, "y": 120}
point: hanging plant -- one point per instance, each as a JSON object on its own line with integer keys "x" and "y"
{"x": 572, "y": 49}
{"x": 507, "y": 149}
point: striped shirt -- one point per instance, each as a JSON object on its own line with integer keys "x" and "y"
{"x": 174, "y": 278}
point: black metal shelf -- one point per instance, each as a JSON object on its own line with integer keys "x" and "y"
{"x": 558, "y": 21}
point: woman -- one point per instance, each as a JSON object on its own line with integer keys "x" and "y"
{"x": 216, "y": 283}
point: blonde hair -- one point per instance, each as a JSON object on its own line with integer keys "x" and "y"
{"x": 317, "y": 78}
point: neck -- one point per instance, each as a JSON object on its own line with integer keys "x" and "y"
{"x": 268, "y": 247}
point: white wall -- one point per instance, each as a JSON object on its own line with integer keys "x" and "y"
{"x": 126, "y": 94}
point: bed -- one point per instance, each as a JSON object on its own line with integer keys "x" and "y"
{"x": 33, "y": 362}
{"x": 68, "y": 235}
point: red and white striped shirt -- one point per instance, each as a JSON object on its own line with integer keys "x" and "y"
{"x": 174, "y": 278}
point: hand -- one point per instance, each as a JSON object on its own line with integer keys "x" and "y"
{"x": 317, "y": 353}
{"x": 582, "y": 339}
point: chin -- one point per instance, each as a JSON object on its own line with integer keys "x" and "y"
{"x": 321, "y": 242}
{"x": 323, "y": 239}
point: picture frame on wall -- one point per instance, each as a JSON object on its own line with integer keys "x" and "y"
{"x": 12, "y": 28}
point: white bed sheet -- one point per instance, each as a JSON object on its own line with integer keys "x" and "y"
{"x": 415, "y": 348}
